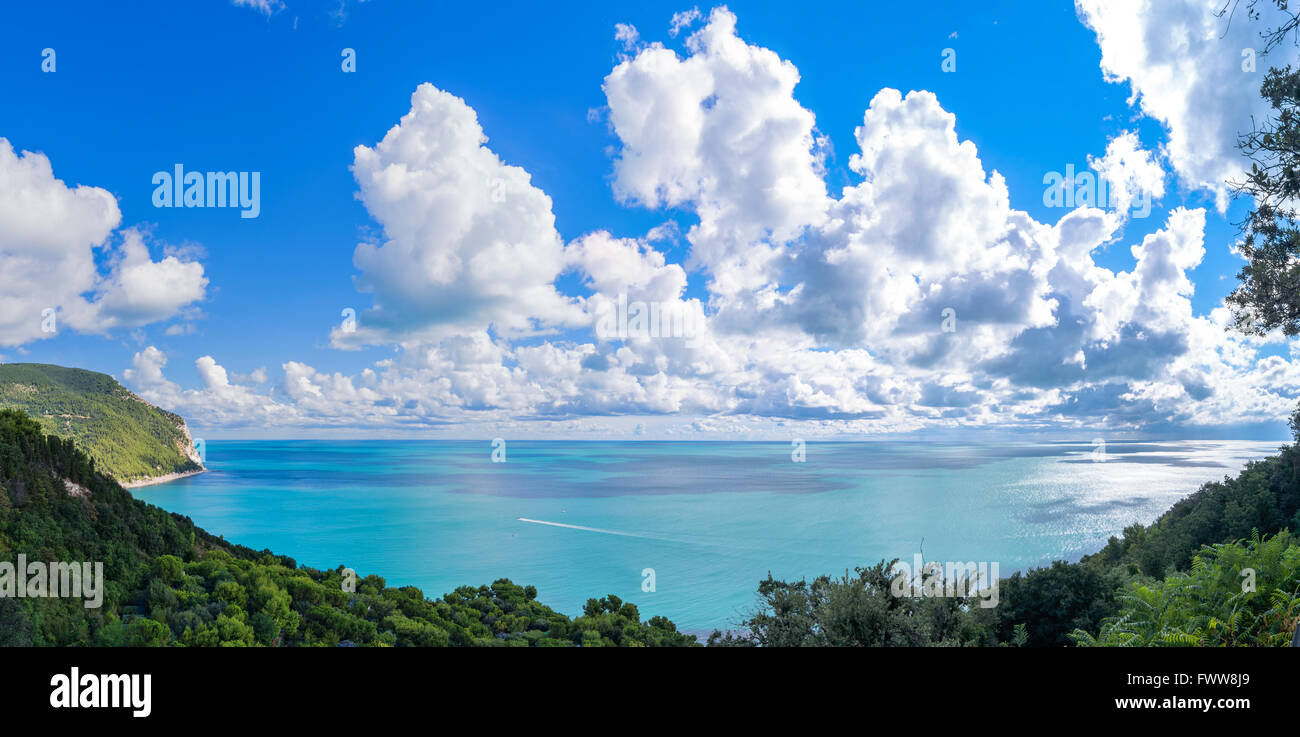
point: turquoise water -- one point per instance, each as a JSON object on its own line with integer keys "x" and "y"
{"x": 711, "y": 519}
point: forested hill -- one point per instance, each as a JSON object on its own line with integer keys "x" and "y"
{"x": 128, "y": 438}
{"x": 169, "y": 582}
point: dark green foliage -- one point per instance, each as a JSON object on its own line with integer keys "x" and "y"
{"x": 1245, "y": 593}
{"x": 1054, "y": 601}
{"x": 128, "y": 438}
{"x": 170, "y": 583}
{"x": 859, "y": 610}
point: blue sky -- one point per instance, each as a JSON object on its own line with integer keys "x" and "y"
{"x": 214, "y": 86}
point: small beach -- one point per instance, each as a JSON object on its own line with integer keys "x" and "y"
{"x": 155, "y": 480}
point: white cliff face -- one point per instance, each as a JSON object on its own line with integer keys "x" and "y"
{"x": 187, "y": 445}
{"x": 186, "y": 442}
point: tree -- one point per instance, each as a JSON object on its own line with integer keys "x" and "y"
{"x": 1272, "y": 36}
{"x": 1053, "y": 601}
{"x": 1268, "y": 297}
{"x": 147, "y": 633}
{"x": 861, "y": 609}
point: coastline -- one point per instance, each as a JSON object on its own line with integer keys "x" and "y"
{"x": 155, "y": 480}
{"x": 307, "y": 471}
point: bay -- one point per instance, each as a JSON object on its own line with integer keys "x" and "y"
{"x": 706, "y": 520}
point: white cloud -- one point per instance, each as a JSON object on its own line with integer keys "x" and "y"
{"x": 718, "y": 131}
{"x": 146, "y": 374}
{"x": 683, "y": 20}
{"x": 825, "y": 312}
{"x": 469, "y": 241}
{"x": 1154, "y": 294}
{"x": 49, "y": 236}
{"x": 267, "y": 7}
{"x": 1134, "y": 176}
{"x": 1184, "y": 66}
{"x": 627, "y": 34}
{"x": 139, "y": 290}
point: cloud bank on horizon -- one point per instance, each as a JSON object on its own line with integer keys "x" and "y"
{"x": 916, "y": 298}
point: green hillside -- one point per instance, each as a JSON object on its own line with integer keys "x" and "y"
{"x": 170, "y": 583}
{"x": 128, "y": 438}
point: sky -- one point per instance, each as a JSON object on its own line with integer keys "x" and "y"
{"x": 853, "y": 214}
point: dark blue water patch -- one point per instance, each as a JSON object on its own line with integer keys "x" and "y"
{"x": 662, "y": 482}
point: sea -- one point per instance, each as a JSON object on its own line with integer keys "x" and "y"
{"x": 681, "y": 529}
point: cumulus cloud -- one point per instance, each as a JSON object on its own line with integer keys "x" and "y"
{"x": 146, "y": 374}
{"x": 876, "y": 269}
{"x": 915, "y": 297}
{"x": 140, "y": 290}
{"x": 1192, "y": 70}
{"x": 60, "y": 256}
{"x": 720, "y": 132}
{"x": 220, "y": 401}
{"x": 1133, "y": 175}
{"x": 468, "y": 240}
